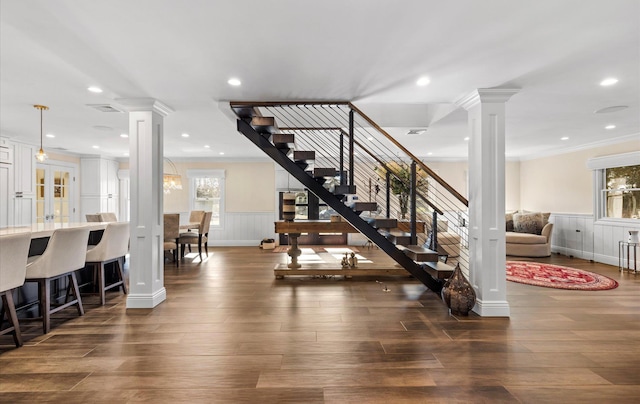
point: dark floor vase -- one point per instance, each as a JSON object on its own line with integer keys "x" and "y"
{"x": 458, "y": 294}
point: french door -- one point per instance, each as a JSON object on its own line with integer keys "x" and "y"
{"x": 54, "y": 202}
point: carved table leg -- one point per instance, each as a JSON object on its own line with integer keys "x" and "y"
{"x": 294, "y": 251}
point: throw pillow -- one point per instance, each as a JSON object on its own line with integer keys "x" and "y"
{"x": 527, "y": 223}
{"x": 509, "y": 221}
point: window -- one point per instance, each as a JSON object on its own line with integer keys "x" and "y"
{"x": 622, "y": 192}
{"x": 617, "y": 186}
{"x": 206, "y": 190}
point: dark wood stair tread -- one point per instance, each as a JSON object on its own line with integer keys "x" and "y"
{"x": 364, "y": 206}
{"x": 344, "y": 189}
{"x": 419, "y": 253}
{"x": 264, "y": 124}
{"x": 324, "y": 172}
{"x": 283, "y": 140}
{"x": 304, "y": 156}
{"x": 438, "y": 269}
{"x": 383, "y": 223}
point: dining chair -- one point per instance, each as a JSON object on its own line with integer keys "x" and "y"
{"x": 14, "y": 250}
{"x": 112, "y": 248}
{"x": 201, "y": 238}
{"x": 65, "y": 253}
{"x": 195, "y": 216}
{"x": 172, "y": 235}
{"x": 108, "y": 217}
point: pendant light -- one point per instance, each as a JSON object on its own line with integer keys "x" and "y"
{"x": 41, "y": 156}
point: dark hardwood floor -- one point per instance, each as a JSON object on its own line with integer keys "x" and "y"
{"x": 230, "y": 333}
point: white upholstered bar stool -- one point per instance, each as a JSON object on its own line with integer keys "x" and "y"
{"x": 14, "y": 250}
{"x": 93, "y": 217}
{"x": 112, "y": 248}
{"x": 64, "y": 255}
{"x": 108, "y": 217}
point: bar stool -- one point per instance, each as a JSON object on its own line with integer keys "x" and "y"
{"x": 112, "y": 248}
{"x": 65, "y": 254}
{"x": 14, "y": 250}
{"x": 108, "y": 217}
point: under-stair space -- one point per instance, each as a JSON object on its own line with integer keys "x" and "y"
{"x": 377, "y": 186}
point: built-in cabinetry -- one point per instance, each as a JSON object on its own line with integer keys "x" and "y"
{"x": 99, "y": 186}
{"x": 17, "y": 184}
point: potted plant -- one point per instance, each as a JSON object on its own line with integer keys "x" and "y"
{"x": 400, "y": 182}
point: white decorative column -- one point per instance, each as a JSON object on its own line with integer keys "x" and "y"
{"x": 146, "y": 268}
{"x": 487, "y": 272}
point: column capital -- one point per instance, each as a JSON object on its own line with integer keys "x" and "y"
{"x": 490, "y": 95}
{"x": 144, "y": 104}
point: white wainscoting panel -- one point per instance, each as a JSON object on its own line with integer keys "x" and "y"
{"x": 243, "y": 229}
{"x": 578, "y": 235}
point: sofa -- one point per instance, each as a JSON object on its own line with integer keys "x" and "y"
{"x": 528, "y": 234}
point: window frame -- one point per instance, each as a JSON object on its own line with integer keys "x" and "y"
{"x": 599, "y": 165}
{"x": 192, "y": 174}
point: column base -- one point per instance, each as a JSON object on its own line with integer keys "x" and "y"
{"x": 140, "y": 301}
{"x": 492, "y": 308}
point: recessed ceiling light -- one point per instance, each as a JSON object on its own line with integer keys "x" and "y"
{"x": 609, "y": 81}
{"x": 95, "y": 89}
{"x": 466, "y": 139}
{"x": 221, "y": 153}
{"x": 423, "y": 81}
{"x": 234, "y": 82}
{"x": 185, "y": 135}
{"x": 124, "y": 135}
{"x": 610, "y": 127}
{"x": 206, "y": 146}
{"x": 564, "y": 138}
{"x": 126, "y": 153}
{"x": 429, "y": 154}
{"x": 370, "y": 138}
{"x": 50, "y": 135}
{"x": 95, "y": 147}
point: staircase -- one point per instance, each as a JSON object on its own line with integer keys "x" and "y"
{"x": 331, "y": 149}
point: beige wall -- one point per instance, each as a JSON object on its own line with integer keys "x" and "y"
{"x": 249, "y": 187}
{"x": 563, "y": 183}
{"x": 63, "y": 157}
{"x": 455, "y": 173}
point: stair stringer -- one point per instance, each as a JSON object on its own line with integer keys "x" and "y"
{"x": 349, "y": 215}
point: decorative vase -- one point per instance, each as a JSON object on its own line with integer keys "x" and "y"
{"x": 288, "y": 206}
{"x": 458, "y": 294}
{"x": 633, "y": 236}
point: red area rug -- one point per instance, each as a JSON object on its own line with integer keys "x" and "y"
{"x": 556, "y": 276}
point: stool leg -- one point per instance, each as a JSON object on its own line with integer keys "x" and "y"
{"x": 7, "y": 303}
{"x": 44, "y": 290}
{"x": 101, "y": 284}
{"x": 121, "y": 273}
{"x": 76, "y": 290}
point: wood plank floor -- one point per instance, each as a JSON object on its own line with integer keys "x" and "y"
{"x": 229, "y": 332}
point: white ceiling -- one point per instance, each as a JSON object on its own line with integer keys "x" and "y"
{"x": 368, "y": 52}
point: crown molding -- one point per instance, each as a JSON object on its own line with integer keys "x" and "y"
{"x": 486, "y": 95}
{"x": 593, "y": 145}
{"x": 144, "y": 104}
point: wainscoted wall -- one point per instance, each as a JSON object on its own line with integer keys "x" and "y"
{"x": 577, "y": 235}
{"x": 243, "y": 229}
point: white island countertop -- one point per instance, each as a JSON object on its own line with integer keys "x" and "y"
{"x": 46, "y": 229}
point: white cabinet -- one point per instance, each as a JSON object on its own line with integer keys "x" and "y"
{"x": 99, "y": 186}
{"x": 24, "y": 184}
{"x": 17, "y": 184}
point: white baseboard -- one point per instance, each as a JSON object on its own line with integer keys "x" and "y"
{"x": 144, "y": 301}
{"x": 234, "y": 243}
{"x": 492, "y": 308}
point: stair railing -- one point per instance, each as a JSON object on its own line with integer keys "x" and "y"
{"x": 344, "y": 137}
